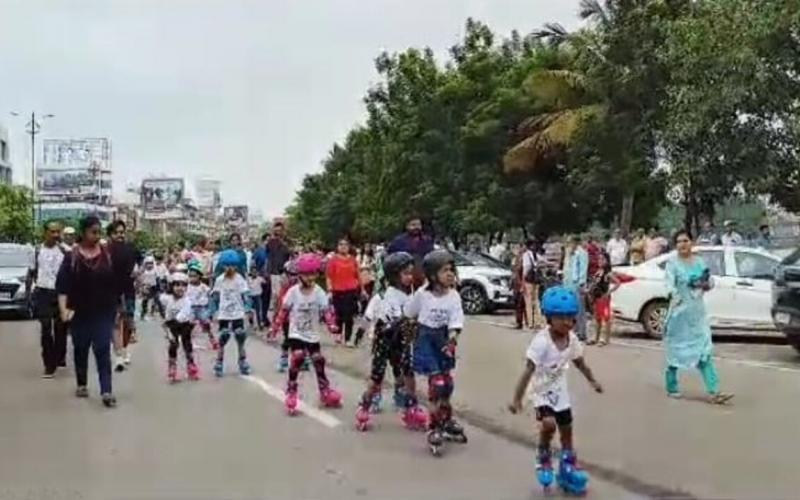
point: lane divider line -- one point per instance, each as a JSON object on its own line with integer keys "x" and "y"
{"x": 320, "y": 416}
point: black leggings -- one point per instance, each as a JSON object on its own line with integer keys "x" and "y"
{"x": 180, "y": 332}
{"x": 298, "y": 352}
{"x": 152, "y": 294}
{"x": 390, "y": 346}
{"x": 346, "y": 306}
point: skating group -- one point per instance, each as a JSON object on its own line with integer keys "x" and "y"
{"x": 414, "y": 315}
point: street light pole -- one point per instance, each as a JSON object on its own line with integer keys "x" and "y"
{"x": 33, "y": 127}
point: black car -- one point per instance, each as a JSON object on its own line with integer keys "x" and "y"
{"x": 786, "y": 298}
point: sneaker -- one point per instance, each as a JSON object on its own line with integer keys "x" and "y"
{"x": 109, "y": 400}
{"x": 82, "y": 392}
{"x": 49, "y": 374}
{"x": 62, "y": 364}
{"x": 127, "y": 358}
{"x": 119, "y": 364}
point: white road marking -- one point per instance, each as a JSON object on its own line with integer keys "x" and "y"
{"x": 741, "y": 362}
{"x": 325, "y": 419}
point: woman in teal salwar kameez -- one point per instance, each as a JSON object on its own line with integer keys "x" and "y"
{"x": 687, "y": 332}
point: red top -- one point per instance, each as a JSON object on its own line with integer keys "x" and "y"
{"x": 342, "y": 274}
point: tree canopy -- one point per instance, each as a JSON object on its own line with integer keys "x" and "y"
{"x": 555, "y": 131}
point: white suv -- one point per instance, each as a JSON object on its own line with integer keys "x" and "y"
{"x": 483, "y": 282}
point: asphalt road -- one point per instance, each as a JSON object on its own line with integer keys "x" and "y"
{"x": 229, "y": 438}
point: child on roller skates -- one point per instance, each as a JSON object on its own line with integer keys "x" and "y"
{"x": 548, "y": 358}
{"x": 198, "y": 293}
{"x": 392, "y": 344}
{"x": 304, "y": 305}
{"x": 440, "y": 318}
{"x": 178, "y": 314}
{"x": 290, "y": 268}
{"x": 231, "y": 300}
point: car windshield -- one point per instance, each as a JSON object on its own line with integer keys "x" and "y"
{"x": 479, "y": 259}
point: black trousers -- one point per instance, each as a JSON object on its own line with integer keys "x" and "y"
{"x": 346, "y": 306}
{"x": 53, "y": 330}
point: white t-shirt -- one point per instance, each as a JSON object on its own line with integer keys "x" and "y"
{"x": 255, "y": 285}
{"x": 305, "y": 311}
{"x": 436, "y": 312}
{"x": 149, "y": 277}
{"x": 179, "y": 309}
{"x": 47, "y": 262}
{"x": 549, "y": 384}
{"x": 617, "y": 251}
{"x": 231, "y": 302}
{"x": 198, "y": 294}
{"x": 161, "y": 271}
{"x": 388, "y": 308}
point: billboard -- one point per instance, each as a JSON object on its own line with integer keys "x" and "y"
{"x": 161, "y": 194}
{"x": 75, "y": 170}
{"x": 207, "y": 191}
{"x": 235, "y": 215}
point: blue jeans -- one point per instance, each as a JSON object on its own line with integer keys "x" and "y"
{"x": 258, "y": 311}
{"x": 93, "y": 330}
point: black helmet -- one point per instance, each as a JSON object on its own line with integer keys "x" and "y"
{"x": 435, "y": 261}
{"x": 394, "y": 263}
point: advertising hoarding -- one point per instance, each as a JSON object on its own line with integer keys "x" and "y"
{"x": 236, "y": 215}
{"x": 208, "y": 193}
{"x": 161, "y": 194}
{"x": 76, "y": 170}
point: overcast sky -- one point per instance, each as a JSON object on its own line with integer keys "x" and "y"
{"x": 253, "y": 93}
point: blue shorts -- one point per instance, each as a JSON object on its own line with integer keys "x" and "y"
{"x": 429, "y": 351}
{"x": 201, "y": 313}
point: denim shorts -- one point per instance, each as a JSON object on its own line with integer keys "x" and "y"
{"x": 429, "y": 351}
{"x": 201, "y": 313}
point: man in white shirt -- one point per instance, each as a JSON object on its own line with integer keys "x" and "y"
{"x": 498, "y": 250}
{"x": 531, "y": 285}
{"x": 731, "y": 237}
{"x": 49, "y": 256}
{"x": 617, "y": 249}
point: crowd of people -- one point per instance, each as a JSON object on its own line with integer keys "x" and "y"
{"x": 404, "y": 294}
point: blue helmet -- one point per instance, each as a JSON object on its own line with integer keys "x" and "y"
{"x": 559, "y": 301}
{"x": 228, "y": 258}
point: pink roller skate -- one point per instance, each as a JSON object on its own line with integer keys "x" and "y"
{"x": 172, "y": 372}
{"x": 192, "y": 371}
{"x": 291, "y": 402}
{"x": 415, "y": 418}
{"x": 362, "y": 418}
{"x": 330, "y": 398}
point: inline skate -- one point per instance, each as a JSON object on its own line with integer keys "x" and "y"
{"x": 454, "y": 432}
{"x": 192, "y": 371}
{"x": 218, "y": 368}
{"x": 291, "y": 401}
{"x": 435, "y": 442}
{"x": 399, "y": 398}
{"x": 363, "y": 415}
{"x": 330, "y": 398}
{"x": 172, "y": 371}
{"x": 571, "y": 478}
{"x": 376, "y": 404}
{"x": 415, "y": 418}
{"x": 283, "y": 363}
{"x": 244, "y": 366}
{"x": 544, "y": 469}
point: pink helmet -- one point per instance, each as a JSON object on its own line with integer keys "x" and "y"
{"x": 308, "y": 263}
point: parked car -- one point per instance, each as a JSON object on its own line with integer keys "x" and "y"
{"x": 483, "y": 282}
{"x": 741, "y": 296}
{"x": 16, "y": 262}
{"x": 786, "y": 298}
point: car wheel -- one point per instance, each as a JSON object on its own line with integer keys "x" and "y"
{"x": 654, "y": 315}
{"x": 795, "y": 342}
{"x": 473, "y": 299}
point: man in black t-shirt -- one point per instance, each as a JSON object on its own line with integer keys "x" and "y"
{"x": 278, "y": 253}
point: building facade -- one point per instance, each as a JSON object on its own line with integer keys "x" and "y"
{"x": 5, "y": 156}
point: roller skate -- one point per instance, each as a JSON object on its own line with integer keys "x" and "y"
{"x": 571, "y": 478}
{"x": 415, "y": 418}
{"x": 376, "y": 404}
{"x": 544, "y": 470}
{"x": 363, "y": 417}
{"x": 283, "y": 363}
{"x": 218, "y": 368}
{"x": 453, "y": 431}
{"x": 244, "y": 366}
{"x": 172, "y": 372}
{"x": 435, "y": 442}
{"x": 330, "y": 398}
{"x": 192, "y": 371}
{"x": 291, "y": 400}
{"x": 399, "y": 398}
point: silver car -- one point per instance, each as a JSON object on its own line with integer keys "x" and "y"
{"x": 16, "y": 263}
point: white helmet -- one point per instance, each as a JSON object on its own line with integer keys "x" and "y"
{"x": 178, "y": 277}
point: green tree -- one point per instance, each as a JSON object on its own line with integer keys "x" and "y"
{"x": 15, "y": 214}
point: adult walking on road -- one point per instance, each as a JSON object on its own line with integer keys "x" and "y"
{"x": 575, "y": 277}
{"x": 415, "y": 242}
{"x": 344, "y": 285}
{"x": 84, "y": 280}
{"x": 49, "y": 256}
{"x": 687, "y": 331}
{"x": 278, "y": 253}
{"x": 124, "y": 258}
{"x": 531, "y": 283}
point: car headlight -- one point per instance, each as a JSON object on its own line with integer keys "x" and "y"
{"x": 502, "y": 282}
{"x": 20, "y": 293}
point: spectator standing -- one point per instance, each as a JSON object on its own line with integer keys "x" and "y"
{"x": 278, "y": 253}
{"x": 415, "y": 242}
{"x": 638, "y": 247}
{"x": 655, "y": 244}
{"x": 708, "y": 235}
{"x": 49, "y": 256}
{"x": 593, "y": 251}
{"x": 260, "y": 261}
{"x": 576, "y": 279}
{"x": 68, "y": 238}
{"x": 530, "y": 277}
{"x": 344, "y": 287}
{"x": 617, "y": 248}
{"x": 764, "y": 239}
{"x": 518, "y": 287}
{"x": 731, "y": 237}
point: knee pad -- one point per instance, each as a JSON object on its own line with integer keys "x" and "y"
{"x": 297, "y": 358}
{"x": 224, "y": 337}
{"x": 440, "y": 386}
{"x": 240, "y": 335}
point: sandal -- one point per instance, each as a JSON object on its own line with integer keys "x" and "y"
{"x": 602, "y": 343}
{"x": 720, "y": 398}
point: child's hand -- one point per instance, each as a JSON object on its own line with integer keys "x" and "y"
{"x": 515, "y": 407}
{"x": 450, "y": 348}
{"x": 597, "y": 387}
